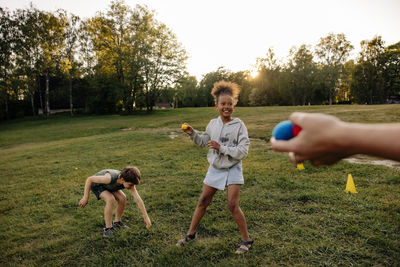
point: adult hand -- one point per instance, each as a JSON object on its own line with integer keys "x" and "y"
{"x": 319, "y": 140}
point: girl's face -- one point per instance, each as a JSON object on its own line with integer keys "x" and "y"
{"x": 225, "y": 107}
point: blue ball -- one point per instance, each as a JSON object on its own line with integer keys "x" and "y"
{"x": 283, "y": 131}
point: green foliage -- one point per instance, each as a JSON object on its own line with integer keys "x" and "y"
{"x": 186, "y": 92}
{"x": 102, "y": 100}
{"x": 55, "y": 60}
{"x": 302, "y": 69}
{"x": 333, "y": 51}
{"x": 391, "y": 75}
{"x": 368, "y": 85}
{"x": 265, "y": 87}
{"x": 296, "y": 217}
{"x": 143, "y": 53}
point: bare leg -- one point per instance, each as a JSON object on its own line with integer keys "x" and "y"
{"x": 204, "y": 201}
{"x": 108, "y": 209}
{"x": 233, "y": 204}
{"x": 121, "y": 198}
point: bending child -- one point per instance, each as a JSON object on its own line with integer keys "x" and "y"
{"x": 107, "y": 185}
{"x": 228, "y": 144}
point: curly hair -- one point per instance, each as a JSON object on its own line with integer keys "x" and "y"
{"x": 225, "y": 88}
{"x": 131, "y": 174}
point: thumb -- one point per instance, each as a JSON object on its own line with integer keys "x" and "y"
{"x": 297, "y": 118}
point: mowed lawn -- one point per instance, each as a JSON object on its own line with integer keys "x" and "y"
{"x": 295, "y": 217}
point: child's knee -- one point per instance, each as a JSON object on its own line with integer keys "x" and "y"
{"x": 121, "y": 199}
{"x": 204, "y": 202}
{"x": 110, "y": 200}
{"x": 233, "y": 206}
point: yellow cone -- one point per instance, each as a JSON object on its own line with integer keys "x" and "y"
{"x": 350, "y": 186}
{"x": 300, "y": 166}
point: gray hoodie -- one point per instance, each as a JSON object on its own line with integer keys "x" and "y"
{"x": 232, "y": 137}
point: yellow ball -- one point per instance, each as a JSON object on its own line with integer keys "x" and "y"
{"x": 184, "y": 127}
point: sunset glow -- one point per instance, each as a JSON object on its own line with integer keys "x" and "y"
{"x": 234, "y": 33}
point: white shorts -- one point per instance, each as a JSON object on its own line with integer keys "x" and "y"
{"x": 220, "y": 178}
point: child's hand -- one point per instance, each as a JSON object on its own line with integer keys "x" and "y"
{"x": 83, "y": 202}
{"x": 187, "y": 128}
{"x": 147, "y": 222}
{"x": 214, "y": 145}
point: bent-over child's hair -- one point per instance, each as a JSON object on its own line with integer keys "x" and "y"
{"x": 225, "y": 88}
{"x": 131, "y": 174}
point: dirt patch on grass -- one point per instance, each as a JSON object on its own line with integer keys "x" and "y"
{"x": 157, "y": 130}
{"x": 363, "y": 159}
{"x": 356, "y": 159}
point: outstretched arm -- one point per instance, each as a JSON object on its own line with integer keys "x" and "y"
{"x": 105, "y": 179}
{"x": 141, "y": 206}
{"x": 200, "y": 140}
{"x": 325, "y": 139}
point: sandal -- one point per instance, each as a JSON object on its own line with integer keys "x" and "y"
{"x": 246, "y": 244}
{"x": 187, "y": 239}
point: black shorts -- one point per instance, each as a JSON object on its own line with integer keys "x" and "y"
{"x": 97, "y": 189}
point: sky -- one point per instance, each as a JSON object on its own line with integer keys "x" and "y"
{"x": 234, "y": 33}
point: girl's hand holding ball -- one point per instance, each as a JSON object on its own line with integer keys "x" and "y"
{"x": 187, "y": 128}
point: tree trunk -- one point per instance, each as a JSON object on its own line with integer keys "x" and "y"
{"x": 40, "y": 92}
{"x": 5, "y": 94}
{"x": 148, "y": 102}
{"x": 47, "y": 95}
{"x": 71, "y": 106}
{"x": 6, "y": 102}
{"x": 33, "y": 104}
{"x": 134, "y": 88}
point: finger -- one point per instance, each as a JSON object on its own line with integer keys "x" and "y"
{"x": 282, "y": 146}
{"x": 292, "y": 157}
{"x": 300, "y": 158}
{"x": 296, "y": 158}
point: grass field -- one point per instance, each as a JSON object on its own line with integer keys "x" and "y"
{"x": 295, "y": 217}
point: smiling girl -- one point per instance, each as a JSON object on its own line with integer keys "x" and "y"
{"x": 228, "y": 144}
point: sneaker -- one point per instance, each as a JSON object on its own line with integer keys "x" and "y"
{"x": 120, "y": 225}
{"x": 108, "y": 232}
{"x": 186, "y": 239}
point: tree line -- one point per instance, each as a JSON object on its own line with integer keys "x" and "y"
{"x": 124, "y": 60}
